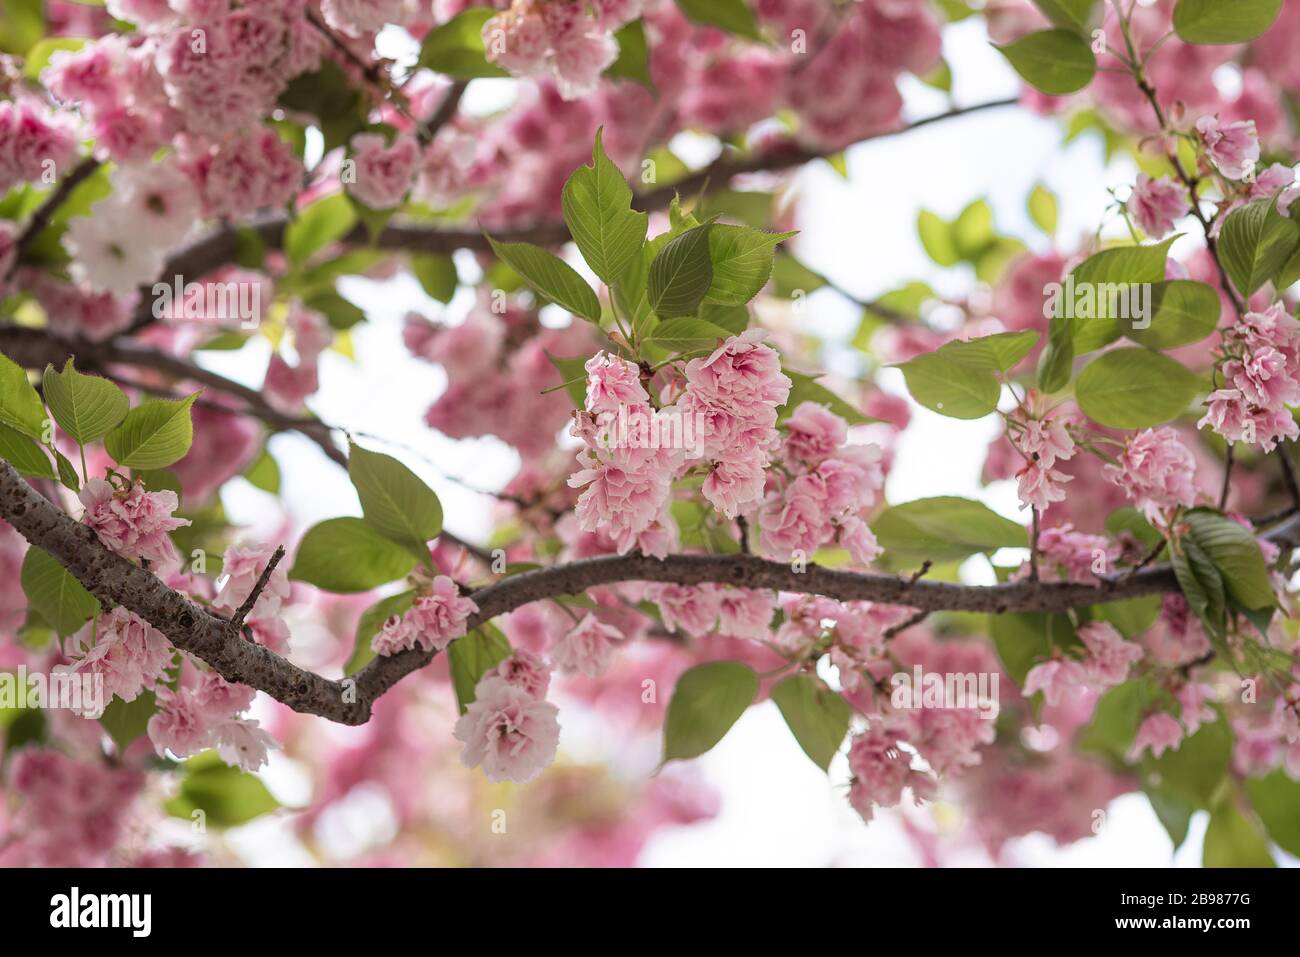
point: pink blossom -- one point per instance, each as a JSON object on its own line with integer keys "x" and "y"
{"x": 613, "y": 382}
{"x": 1159, "y": 732}
{"x": 383, "y": 172}
{"x": 288, "y": 386}
{"x": 690, "y": 608}
{"x": 1156, "y": 472}
{"x": 132, "y": 522}
{"x": 1192, "y": 698}
{"x": 1156, "y": 204}
{"x": 508, "y": 731}
{"x": 1109, "y": 656}
{"x": 732, "y": 487}
{"x": 861, "y": 543}
{"x": 527, "y": 670}
{"x": 130, "y": 653}
{"x": 881, "y": 770}
{"x": 180, "y": 725}
{"x": 1058, "y": 680}
{"x": 433, "y": 621}
{"x": 587, "y": 648}
{"x": 1232, "y": 147}
{"x": 35, "y": 145}
{"x": 1039, "y": 486}
{"x": 243, "y": 743}
{"x": 796, "y": 522}
{"x": 241, "y": 568}
{"x": 745, "y": 612}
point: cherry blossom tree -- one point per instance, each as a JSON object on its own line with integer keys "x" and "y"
{"x": 698, "y": 521}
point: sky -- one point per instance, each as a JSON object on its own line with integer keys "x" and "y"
{"x": 777, "y": 807}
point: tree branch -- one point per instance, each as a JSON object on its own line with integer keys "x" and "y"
{"x": 45, "y": 212}
{"x": 193, "y": 629}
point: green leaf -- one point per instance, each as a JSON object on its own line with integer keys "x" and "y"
{"x": 60, "y": 599}
{"x": 551, "y": 277}
{"x": 227, "y": 796}
{"x": 1026, "y": 639}
{"x": 945, "y": 529}
{"x": 264, "y": 473}
{"x": 371, "y": 621}
{"x": 473, "y": 656}
{"x": 732, "y": 16}
{"x": 1276, "y": 800}
{"x": 680, "y": 276}
{"x": 20, "y": 406}
{"x": 1115, "y": 721}
{"x": 86, "y": 407}
{"x": 67, "y": 474}
{"x": 950, "y": 388}
{"x": 38, "y": 57}
{"x": 1000, "y": 352}
{"x": 325, "y": 221}
{"x": 1224, "y": 21}
{"x": 1182, "y": 311}
{"x": 1255, "y": 244}
{"x": 1135, "y": 388}
{"x": 348, "y": 555}
{"x": 339, "y": 312}
{"x": 806, "y": 388}
{"x": 1043, "y": 209}
{"x": 24, "y": 454}
{"x": 633, "y": 61}
{"x": 1236, "y": 554}
{"x": 1196, "y": 769}
{"x": 154, "y": 434}
{"x": 1232, "y": 840}
{"x": 705, "y": 704}
{"x": 1100, "y": 292}
{"x": 1174, "y": 814}
{"x": 22, "y": 23}
{"x": 1055, "y": 364}
{"x": 457, "y": 48}
{"x": 1070, "y": 14}
{"x": 574, "y": 374}
{"x": 818, "y": 717}
{"x": 1055, "y": 62}
{"x": 687, "y": 334}
{"x": 937, "y": 239}
{"x": 395, "y": 501}
{"x": 1201, "y": 584}
{"x": 437, "y": 275}
{"x": 125, "y": 721}
{"x": 598, "y": 210}
{"x": 742, "y": 260}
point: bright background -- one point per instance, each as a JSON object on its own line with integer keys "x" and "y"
{"x": 777, "y": 808}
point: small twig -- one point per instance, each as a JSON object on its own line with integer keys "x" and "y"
{"x": 902, "y": 626}
{"x": 45, "y": 212}
{"x": 920, "y": 572}
{"x": 237, "y": 620}
{"x": 1228, "y": 460}
{"x": 744, "y": 534}
{"x": 1033, "y": 548}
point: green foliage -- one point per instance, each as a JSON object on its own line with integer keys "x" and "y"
{"x": 395, "y": 501}
{"x": 1135, "y": 388}
{"x": 733, "y": 16}
{"x": 1224, "y": 21}
{"x": 456, "y": 48}
{"x": 705, "y": 704}
{"x": 945, "y": 529}
{"x": 961, "y": 379}
{"x": 61, "y": 601}
{"x": 86, "y": 407}
{"x": 24, "y": 454}
{"x": 369, "y": 624}
{"x": 1256, "y": 243}
{"x": 323, "y": 222}
{"x": 1055, "y": 62}
{"x": 1073, "y": 15}
{"x": 20, "y": 406}
{"x": 473, "y": 656}
{"x": 1233, "y": 840}
{"x": 550, "y": 277}
{"x": 371, "y": 559}
{"x": 681, "y": 274}
{"x": 598, "y": 210}
{"x": 226, "y": 796}
{"x": 153, "y": 435}
{"x": 817, "y": 716}
{"x": 125, "y": 721}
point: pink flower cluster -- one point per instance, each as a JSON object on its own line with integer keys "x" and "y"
{"x": 1262, "y": 378}
{"x": 492, "y": 389}
{"x": 1106, "y": 663}
{"x": 36, "y": 146}
{"x": 1161, "y": 731}
{"x": 1065, "y": 554}
{"x": 130, "y": 654}
{"x": 287, "y": 385}
{"x": 587, "y": 648}
{"x": 1042, "y": 442}
{"x": 241, "y": 569}
{"x": 1233, "y": 148}
{"x": 571, "y": 40}
{"x": 508, "y": 729}
{"x": 1156, "y": 204}
{"x": 72, "y": 812}
{"x": 206, "y": 715}
{"x": 882, "y": 771}
{"x": 735, "y": 392}
{"x": 382, "y": 172}
{"x": 132, "y": 522}
{"x": 831, "y": 486}
{"x": 432, "y": 622}
{"x": 1156, "y": 472}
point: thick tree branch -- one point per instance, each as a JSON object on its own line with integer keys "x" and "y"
{"x": 193, "y": 629}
